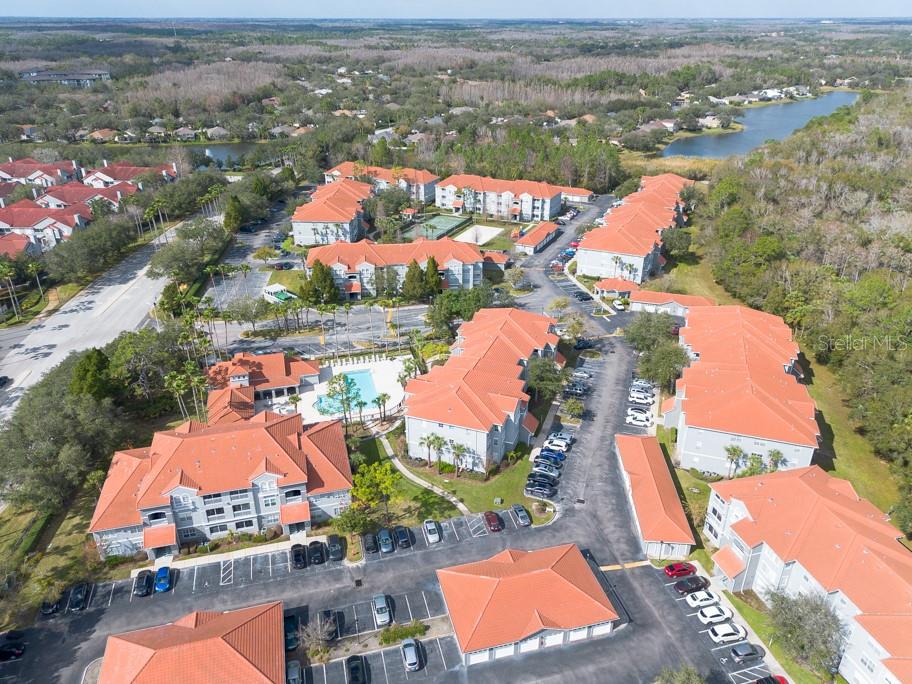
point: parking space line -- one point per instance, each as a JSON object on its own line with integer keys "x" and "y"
{"x": 227, "y": 572}
{"x": 734, "y": 643}
{"x": 453, "y": 527}
{"x": 383, "y": 660}
{"x": 427, "y": 608}
{"x": 440, "y": 648}
{"x": 195, "y": 568}
{"x": 270, "y": 565}
{"x": 325, "y": 681}
{"x": 132, "y": 589}
{"x": 409, "y": 606}
{"x": 251, "y": 568}
{"x": 763, "y": 672}
{"x": 111, "y": 597}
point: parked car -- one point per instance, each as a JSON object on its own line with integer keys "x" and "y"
{"x": 691, "y": 584}
{"x": 563, "y": 436}
{"x": 547, "y": 462}
{"x": 726, "y": 633}
{"x": 522, "y": 517}
{"x": 746, "y": 653}
{"x": 335, "y": 547}
{"x": 582, "y": 344}
{"x": 542, "y": 479}
{"x": 163, "y": 580}
{"x": 385, "y": 539}
{"x": 298, "y": 556}
{"x": 539, "y": 491}
{"x": 247, "y": 229}
{"x": 640, "y": 400}
{"x": 492, "y": 521}
{"x": 292, "y": 632}
{"x": 432, "y": 531}
{"x": 282, "y": 266}
{"x": 411, "y": 655}
{"x": 772, "y": 679}
{"x": 582, "y": 297}
{"x": 316, "y": 554}
{"x": 293, "y": 672}
{"x": 642, "y": 385}
{"x": 381, "y": 609}
{"x": 356, "y": 669}
{"x": 369, "y": 542}
{"x": 553, "y": 455}
{"x": 639, "y": 420}
{"x": 578, "y": 385}
{"x": 558, "y": 445}
{"x": 144, "y": 584}
{"x": 50, "y": 606}
{"x": 638, "y": 411}
{"x": 403, "y": 537}
{"x": 618, "y": 305}
{"x": 573, "y": 392}
{"x": 11, "y": 651}
{"x": 575, "y": 244}
{"x": 79, "y": 596}
{"x": 714, "y": 614}
{"x": 579, "y": 374}
{"x": 545, "y": 469}
{"x": 4, "y": 380}
{"x": 701, "y": 599}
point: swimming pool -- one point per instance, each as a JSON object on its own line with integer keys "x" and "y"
{"x": 363, "y": 380}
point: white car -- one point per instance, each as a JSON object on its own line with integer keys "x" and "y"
{"x": 727, "y": 633}
{"x": 556, "y": 445}
{"x": 641, "y": 400}
{"x": 563, "y": 436}
{"x": 639, "y": 421}
{"x": 562, "y": 332}
{"x": 618, "y": 305}
{"x": 431, "y": 531}
{"x": 642, "y": 386}
{"x": 713, "y": 614}
{"x": 701, "y": 599}
{"x": 580, "y": 375}
{"x": 638, "y": 411}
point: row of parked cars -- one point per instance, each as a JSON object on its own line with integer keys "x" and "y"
{"x": 722, "y": 630}
{"x": 544, "y": 479}
{"x": 641, "y": 397}
{"x": 317, "y": 552}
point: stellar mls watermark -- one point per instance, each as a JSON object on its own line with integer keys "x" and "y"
{"x": 861, "y": 343}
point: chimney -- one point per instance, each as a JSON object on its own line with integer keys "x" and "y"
{"x": 105, "y": 162}
{"x": 118, "y": 196}
{"x": 34, "y": 193}
{"x": 75, "y": 166}
{"x": 2, "y": 203}
{"x": 139, "y": 185}
{"x": 174, "y": 166}
{"x": 10, "y": 160}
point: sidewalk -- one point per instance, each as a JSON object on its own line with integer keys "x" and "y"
{"x": 409, "y": 475}
{"x": 210, "y": 558}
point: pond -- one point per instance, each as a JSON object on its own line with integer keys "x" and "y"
{"x": 770, "y": 122}
{"x": 222, "y": 152}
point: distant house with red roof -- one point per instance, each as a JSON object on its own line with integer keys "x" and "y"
{"x": 203, "y": 481}
{"x": 741, "y": 390}
{"x": 478, "y": 397}
{"x": 418, "y": 183}
{"x": 659, "y": 517}
{"x": 522, "y": 601}
{"x": 507, "y": 200}
{"x": 355, "y": 265}
{"x": 14, "y": 244}
{"x": 671, "y": 303}
{"x": 62, "y": 196}
{"x": 537, "y": 238}
{"x": 805, "y": 532}
{"x": 42, "y": 226}
{"x": 614, "y": 286}
{"x": 271, "y": 376}
{"x": 124, "y": 172}
{"x": 244, "y": 645}
{"x": 629, "y": 243}
{"x": 333, "y": 214}
{"x": 30, "y": 171}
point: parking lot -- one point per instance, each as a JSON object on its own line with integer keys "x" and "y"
{"x": 386, "y": 666}
{"x": 737, "y": 673}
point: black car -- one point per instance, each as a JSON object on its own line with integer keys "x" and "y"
{"x": 335, "y": 546}
{"x": 542, "y": 479}
{"x": 582, "y": 343}
{"x": 386, "y": 541}
{"x": 144, "y": 584}
{"x": 292, "y": 632}
{"x": 282, "y": 266}
{"x": 579, "y": 387}
{"x": 369, "y": 542}
{"x": 573, "y": 392}
{"x": 247, "y": 229}
{"x": 689, "y": 585}
{"x": 543, "y": 460}
{"x": 298, "y": 556}
{"x": 316, "y": 555}
{"x": 4, "y": 380}
{"x": 11, "y": 651}
{"x": 582, "y": 297}
{"x": 746, "y": 653}
{"x": 403, "y": 538}
{"x": 356, "y": 669}
{"x": 79, "y": 597}
{"x": 539, "y": 491}
{"x": 50, "y": 606}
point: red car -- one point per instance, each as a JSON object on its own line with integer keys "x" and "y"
{"x": 679, "y": 569}
{"x": 772, "y": 679}
{"x": 492, "y": 521}
{"x": 575, "y": 244}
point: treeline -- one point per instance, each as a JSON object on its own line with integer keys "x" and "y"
{"x": 816, "y": 230}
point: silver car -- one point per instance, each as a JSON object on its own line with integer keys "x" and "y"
{"x": 432, "y": 531}
{"x": 293, "y": 672}
{"x": 546, "y": 470}
{"x": 411, "y": 656}
{"x": 381, "y": 609}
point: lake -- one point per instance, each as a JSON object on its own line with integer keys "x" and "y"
{"x": 221, "y": 152}
{"x": 770, "y": 122}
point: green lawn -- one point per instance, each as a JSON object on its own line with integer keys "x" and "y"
{"x": 290, "y": 279}
{"x": 759, "y": 622}
{"x": 501, "y": 242}
{"x": 14, "y": 527}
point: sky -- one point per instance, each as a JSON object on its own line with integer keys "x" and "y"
{"x": 474, "y": 9}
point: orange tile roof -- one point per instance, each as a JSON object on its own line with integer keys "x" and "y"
{"x": 729, "y": 561}
{"x": 158, "y": 536}
{"x": 27, "y": 214}
{"x": 495, "y": 257}
{"x": 294, "y": 513}
{"x": 219, "y": 458}
{"x": 13, "y": 244}
{"x": 653, "y": 297}
{"x": 265, "y": 371}
{"x": 655, "y": 499}
{"x": 515, "y": 594}
{"x": 23, "y": 168}
{"x": 126, "y": 172}
{"x": 616, "y": 285}
{"x": 530, "y": 423}
{"x": 229, "y": 405}
{"x": 480, "y": 384}
{"x": 412, "y": 176}
{"x": 537, "y": 234}
{"x": 245, "y": 645}
{"x": 335, "y": 202}
{"x": 741, "y": 371}
{"x": 497, "y": 185}
{"x": 351, "y": 254}
{"x": 842, "y": 540}
{"x": 74, "y": 192}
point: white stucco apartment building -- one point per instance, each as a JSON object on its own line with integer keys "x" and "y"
{"x": 333, "y": 214}
{"x": 805, "y": 532}
{"x": 418, "y": 183}
{"x": 504, "y": 200}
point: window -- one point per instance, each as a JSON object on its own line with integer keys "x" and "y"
{"x": 270, "y": 502}
{"x": 236, "y": 494}
{"x": 268, "y": 485}
{"x": 213, "y": 513}
{"x": 241, "y": 508}
{"x": 292, "y": 495}
{"x": 158, "y": 518}
{"x": 716, "y": 513}
{"x": 243, "y": 524}
{"x": 867, "y": 664}
{"x": 270, "y": 519}
{"x": 185, "y": 517}
{"x": 210, "y": 498}
{"x": 188, "y": 534}
{"x": 216, "y": 529}
{"x": 711, "y": 530}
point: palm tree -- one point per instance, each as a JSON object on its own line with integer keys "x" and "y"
{"x": 331, "y": 308}
{"x": 735, "y": 456}
{"x": 380, "y": 402}
{"x": 176, "y": 383}
{"x": 436, "y": 444}
{"x": 294, "y": 400}
{"x": 459, "y": 453}
{"x": 348, "y": 307}
{"x": 321, "y": 309}
{"x": 245, "y": 269}
{"x": 776, "y": 459}
{"x": 7, "y": 272}
{"x": 361, "y": 405}
{"x": 34, "y": 269}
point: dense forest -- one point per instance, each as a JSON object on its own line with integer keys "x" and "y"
{"x": 818, "y": 229}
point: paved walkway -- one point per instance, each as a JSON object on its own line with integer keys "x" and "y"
{"x": 422, "y": 483}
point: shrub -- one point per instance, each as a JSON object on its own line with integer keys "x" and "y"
{"x": 447, "y": 468}
{"x": 114, "y": 561}
{"x": 396, "y": 633}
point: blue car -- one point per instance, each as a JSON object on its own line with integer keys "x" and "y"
{"x": 162, "y": 580}
{"x": 547, "y": 453}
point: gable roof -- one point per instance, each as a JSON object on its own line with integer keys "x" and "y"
{"x": 264, "y": 371}
{"x": 27, "y": 167}
{"x": 515, "y": 594}
{"x": 75, "y": 193}
{"x": 653, "y": 297}
{"x": 28, "y": 214}
{"x": 229, "y": 405}
{"x": 537, "y": 234}
{"x": 616, "y": 285}
{"x": 245, "y": 645}
{"x": 411, "y": 176}
{"x": 334, "y": 202}
{"x": 497, "y": 185}
{"x": 126, "y": 172}
{"x": 351, "y": 254}
{"x": 658, "y": 508}
{"x": 13, "y": 244}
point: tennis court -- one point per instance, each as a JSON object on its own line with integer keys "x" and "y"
{"x": 435, "y": 227}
